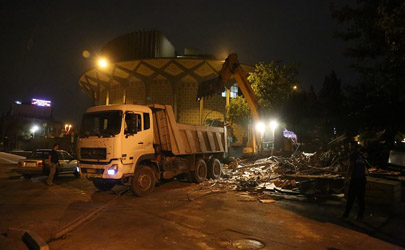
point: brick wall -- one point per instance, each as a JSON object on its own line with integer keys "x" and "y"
{"x": 188, "y": 108}
{"x": 161, "y": 92}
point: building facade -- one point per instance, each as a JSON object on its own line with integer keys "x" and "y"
{"x": 27, "y": 122}
{"x": 143, "y": 68}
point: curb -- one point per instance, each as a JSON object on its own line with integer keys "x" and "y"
{"x": 31, "y": 239}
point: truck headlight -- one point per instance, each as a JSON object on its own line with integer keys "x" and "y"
{"x": 112, "y": 170}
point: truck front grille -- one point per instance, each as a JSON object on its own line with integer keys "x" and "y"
{"x": 93, "y": 153}
{"x": 92, "y": 171}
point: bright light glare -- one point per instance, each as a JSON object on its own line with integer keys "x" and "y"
{"x": 34, "y": 129}
{"x": 260, "y": 127}
{"x": 111, "y": 172}
{"x": 102, "y": 63}
{"x": 273, "y": 124}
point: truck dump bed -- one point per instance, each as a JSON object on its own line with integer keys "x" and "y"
{"x": 183, "y": 139}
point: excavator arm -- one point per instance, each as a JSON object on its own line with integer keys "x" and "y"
{"x": 231, "y": 67}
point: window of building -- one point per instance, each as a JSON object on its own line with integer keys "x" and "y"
{"x": 233, "y": 93}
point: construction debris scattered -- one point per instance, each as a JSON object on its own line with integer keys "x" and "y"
{"x": 302, "y": 176}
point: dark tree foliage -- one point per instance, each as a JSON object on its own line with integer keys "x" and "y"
{"x": 272, "y": 84}
{"x": 376, "y": 37}
{"x": 332, "y": 105}
{"x": 302, "y": 115}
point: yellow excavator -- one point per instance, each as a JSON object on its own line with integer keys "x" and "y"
{"x": 231, "y": 67}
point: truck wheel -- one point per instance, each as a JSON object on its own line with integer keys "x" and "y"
{"x": 103, "y": 185}
{"x": 143, "y": 181}
{"x": 200, "y": 173}
{"x": 214, "y": 169}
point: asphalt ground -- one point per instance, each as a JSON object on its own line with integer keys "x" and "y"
{"x": 180, "y": 215}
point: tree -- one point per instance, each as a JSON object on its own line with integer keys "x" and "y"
{"x": 273, "y": 85}
{"x": 376, "y": 36}
{"x": 332, "y": 103}
{"x": 302, "y": 114}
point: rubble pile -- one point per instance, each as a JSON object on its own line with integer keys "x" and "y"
{"x": 301, "y": 176}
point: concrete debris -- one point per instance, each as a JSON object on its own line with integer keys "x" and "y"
{"x": 302, "y": 176}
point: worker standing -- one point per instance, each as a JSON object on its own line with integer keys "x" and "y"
{"x": 53, "y": 163}
{"x": 356, "y": 175}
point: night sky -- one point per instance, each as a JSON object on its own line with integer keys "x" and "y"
{"x": 42, "y": 41}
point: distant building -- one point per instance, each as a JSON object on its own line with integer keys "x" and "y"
{"x": 143, "y": 68}
{"x": 26, "y": 121}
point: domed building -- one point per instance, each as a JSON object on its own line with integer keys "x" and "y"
{"x": 143, "y": 68}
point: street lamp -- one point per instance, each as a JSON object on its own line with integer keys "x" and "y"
{"x": 34, "y": 129}
{"x": 273, "y": 126}
{"x": 102, "y": 63}
{"x": 260, "y": 127}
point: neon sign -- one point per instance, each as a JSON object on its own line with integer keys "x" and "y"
{"x": 41, "y": 103}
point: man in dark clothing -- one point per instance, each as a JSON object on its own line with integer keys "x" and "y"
{"x": 356, "y": 174}
{"x": 53, "y": 163}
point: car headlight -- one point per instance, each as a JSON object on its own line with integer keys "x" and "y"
{"x": 112, "y": 170}
{"x": 78, "y": 169}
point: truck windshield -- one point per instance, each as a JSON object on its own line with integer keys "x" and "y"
{"x": 105, "y": 123}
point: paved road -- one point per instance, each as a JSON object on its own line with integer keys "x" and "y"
{"x": 167, "y": 219}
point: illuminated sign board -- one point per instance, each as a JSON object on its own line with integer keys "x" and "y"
{"x": 41, "y": 103}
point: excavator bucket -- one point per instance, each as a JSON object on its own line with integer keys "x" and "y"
{"x": 210, "y": 87}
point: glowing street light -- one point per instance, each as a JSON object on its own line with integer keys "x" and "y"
{"x": 274, "y": 125}
{"x": 102, "y": 63}
{"x": 260, "y": 127}
{"x": 295, "y": 87}
{"x": 34, "y": 129}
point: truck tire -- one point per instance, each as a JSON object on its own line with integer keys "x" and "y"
{"x": 143, "y": 181}
{"x": 103, "y": 185}
{"x": 214, "y": 169}
{"x": 200, "y": 173}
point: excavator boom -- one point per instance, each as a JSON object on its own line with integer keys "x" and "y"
{"x": 231, "y": 67}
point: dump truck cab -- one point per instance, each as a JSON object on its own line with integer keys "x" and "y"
{"x": 113, "y": 138}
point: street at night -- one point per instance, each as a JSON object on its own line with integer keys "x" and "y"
{"x": 180, "y": 215}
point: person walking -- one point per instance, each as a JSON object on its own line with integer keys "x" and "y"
{"x": 53, "y": 164}
{"x": 356, "y": 176}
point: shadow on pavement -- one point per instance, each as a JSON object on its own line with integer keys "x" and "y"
{"x": 386, "y": 223}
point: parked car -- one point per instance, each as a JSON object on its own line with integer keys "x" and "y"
{"x": 38, "y": 163}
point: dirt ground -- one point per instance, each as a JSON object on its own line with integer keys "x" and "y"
{"x": 171, "y": 219}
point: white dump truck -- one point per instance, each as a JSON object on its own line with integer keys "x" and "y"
{"x": 137, "y": 145}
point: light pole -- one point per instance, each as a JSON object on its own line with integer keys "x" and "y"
{"x": 273, "y": 126}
